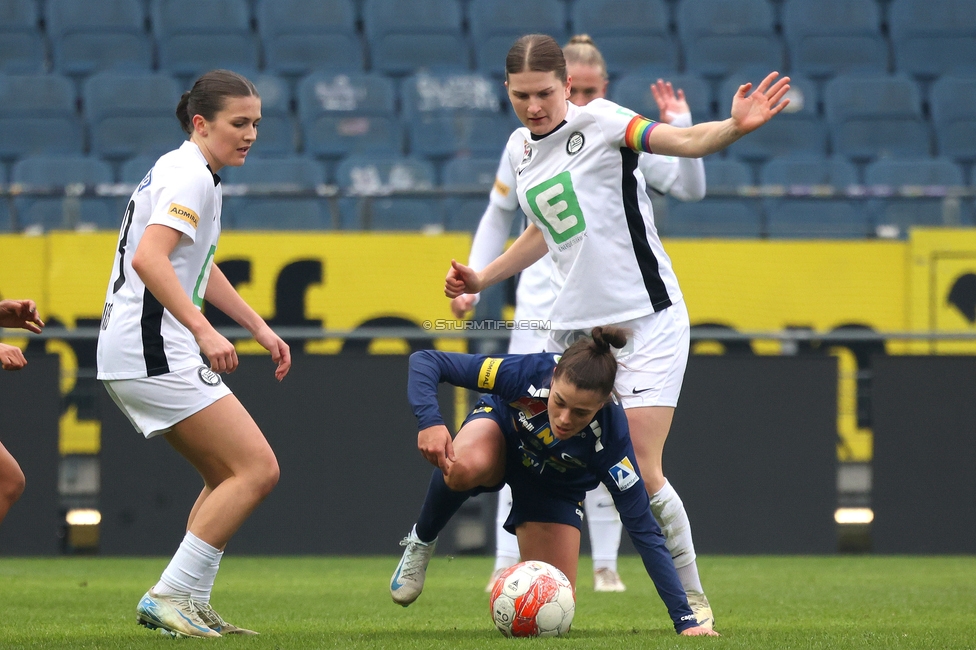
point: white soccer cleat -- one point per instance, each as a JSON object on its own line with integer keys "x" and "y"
{"x": 173, "y": 615}
{"x": 494, "y": 578}
{"x": 408, "y": 581}
{"x": 607, "y": 579}
{"x": 701, "y": 609}
{"x": 217, "y": 623}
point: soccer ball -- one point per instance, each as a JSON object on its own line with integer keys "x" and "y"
{"x": 532, "y": 599}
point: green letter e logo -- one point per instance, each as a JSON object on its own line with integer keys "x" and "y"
{"x": 554, "y": 202}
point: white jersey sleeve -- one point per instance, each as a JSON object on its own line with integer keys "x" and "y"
{"x": 179, "y": 199}
{"x": 503, "y": 191}
{"x": 682, "y": 177}
{"x": 621, "y": 126}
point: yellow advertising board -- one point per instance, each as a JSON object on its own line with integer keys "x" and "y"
{"x": 943, "y": 287}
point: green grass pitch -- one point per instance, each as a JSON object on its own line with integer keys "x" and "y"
{"x": 341, "y": 602}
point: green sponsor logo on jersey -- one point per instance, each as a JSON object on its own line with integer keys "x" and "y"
{"x": 200, "y": 291}
{"x": 554, "y": 202}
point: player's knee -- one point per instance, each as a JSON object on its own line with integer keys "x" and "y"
{"x": 11, "y": 487}
{"x": 460, "y": 477}
{"x": 265, "y": 475}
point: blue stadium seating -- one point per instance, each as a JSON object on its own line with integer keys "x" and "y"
{"x": 806, "y": 170}
{"x": 301, "y": 36}
{"x": 276, "y": 213}
{"x": 726, "y": 174}
{"x": 629, "y": 33}
{"x": 828, "y": 37}
{"x": 405, "y": 36}
{"x": 444, "y": 93}
{"x": 472, "y": 175}
{"x": 21, "y": 44}
{"x": 459, "y": 133}
{"x": 195, "y": 36}
{"x": 797, "y": 129}
{"x": 953, "y": 103}
{"x": 495, "y": 26}
{"x": 711, "y": 218}
{"x": 130, "y": 114}
{"x": 87, "y": 37}
{"x": 633, "y": 90}
{"x": 63, "y": 213}
{"x": 348, "y": 113}
{"x": 933, "y": 37}
{"x": 133, "y": 170}
{"x": 38, "y": 114}
{"x": 721, "y": 36}
{"x": 876, "y": 116}
{"x": 278, "y": 133}
{"x": 920, "y": 173}
{"x": 374, "y": 176}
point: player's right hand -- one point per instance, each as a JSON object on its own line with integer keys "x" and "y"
{"x": 11, "y": 357}
{"x": 436, "y": 446}
{"x": 461, "y": 305}
{"x": 218, "y": 350}
{"x": 461, "y": 279}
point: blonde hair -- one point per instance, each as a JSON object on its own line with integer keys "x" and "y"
{"x": 581, "y": 50}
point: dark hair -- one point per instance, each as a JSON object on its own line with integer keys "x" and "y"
{"x": 589, "y": 363}
{"x": 210, "y": 93}
{"x": 536, "y": 53}
{"x": 582, "y": 50}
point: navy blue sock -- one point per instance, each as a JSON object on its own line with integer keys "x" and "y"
{"x": 439, "y": 506}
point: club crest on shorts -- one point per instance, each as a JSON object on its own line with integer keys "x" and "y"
{"x": 208, "y": 376}
{"x": 575, "y": 143}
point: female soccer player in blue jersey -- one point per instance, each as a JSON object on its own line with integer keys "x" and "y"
{"x": 578, "y": 181}
{"x": 551, "y": 428}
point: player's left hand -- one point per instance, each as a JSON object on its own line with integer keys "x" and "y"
{"x": 280, "y": 352}
{"x": 436, "y": 446}
{"x": 11, "y": 357}
{"x": 461, "y": 279}
{"x": 699, "y": 631}
{"x": 20, "y": 313}
{"x": 752, "y": 111}
{"x": 669, "y": 101}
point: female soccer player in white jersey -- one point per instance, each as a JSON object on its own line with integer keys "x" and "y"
{"x": 578, "y": 180}
{"x": 684, "y": 178}
{"x": 153, "y": 332}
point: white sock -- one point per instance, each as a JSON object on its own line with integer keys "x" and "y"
{"x": 188, "y": 567}
{"x": 506, "y": 544}
{"x": 604, "y": 523}
{"x": 671, "y": 516}
{"x": 203, "y": 589}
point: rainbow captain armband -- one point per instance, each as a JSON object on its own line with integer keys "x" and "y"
{"x": 638, "y": 134}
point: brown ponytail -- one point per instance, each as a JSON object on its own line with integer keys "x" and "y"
{"x": 589, "y": 363}
{"x": 210, "y": 93}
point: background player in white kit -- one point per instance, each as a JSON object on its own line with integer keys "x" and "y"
{"x": 682, "y": 177}
{"x": 153, "y": 333}
{"x": 577, "y": 178}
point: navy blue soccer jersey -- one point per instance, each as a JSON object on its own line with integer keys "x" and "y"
{"x": 601, "y": 452}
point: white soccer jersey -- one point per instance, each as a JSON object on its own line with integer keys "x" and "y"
{"x": 139, "y": 338}
{"x": 582, "y": 187}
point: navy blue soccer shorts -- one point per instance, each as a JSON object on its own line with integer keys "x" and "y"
{"x": 533, "y": 498}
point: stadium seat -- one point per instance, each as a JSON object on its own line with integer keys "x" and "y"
{"x": 711, "y": 218}
{"x": 278, "y": 133}
{"x": 133, "y": 170}
{"x": 373, "y": 178}
{"x": 64, "y": 212}
{"x": 405, "y": 36}
{"x": 726, "y": 174}
{"x": 933, "y": 37}
{"x": 915, "y": 175}
{"x": 21, "y": 43}
{"x": 876, "y": 116}
{"x": 441, "y": 136}
{"x": 6, "y": 223}
{"x": 130, "y": 114}
{"x": 195, "y": 36}
{"x": 38, "y": 115}
{"x": 630, "y": 33}
{"x": 806, "y": 170}
{"x": 495, "y": 26}
{"x": 829, "y": 37}
{"x": 301, "y": 36}
{"x": 275, "y": 212}
{"x": 87, "y": 37}
{"x": 445, "y": 92}
{"x": 348, "y": 113}
{"x": 633, "y": 90}
{"x": 721, "y": 36}
{"x": 953, "y": 103}
{"x": 474, "y": 177}
{"x": 797, "y": 129}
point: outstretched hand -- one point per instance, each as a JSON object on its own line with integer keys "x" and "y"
{"x": 436, "y": 446}
{"x": 669, "y": 101}
{"x": 461, "y": 279}
{"x": 21, "y": 314}
{"x": 752, "y": 111}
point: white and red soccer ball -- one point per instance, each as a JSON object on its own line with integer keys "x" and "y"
{"x": 532, "y": 599}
